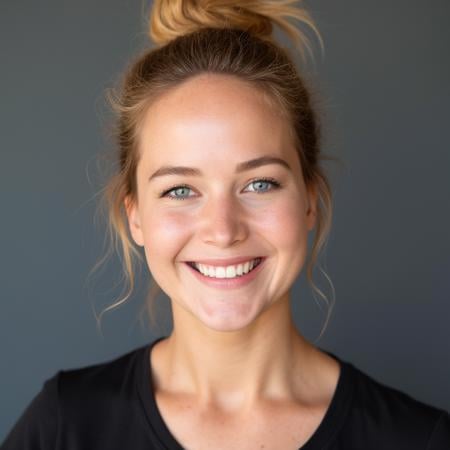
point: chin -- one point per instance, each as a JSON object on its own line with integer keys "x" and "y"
{"x": 228, "y": 321}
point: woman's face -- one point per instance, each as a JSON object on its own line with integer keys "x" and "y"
{"x": 215, "y": 210}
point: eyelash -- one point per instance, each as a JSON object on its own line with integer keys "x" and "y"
{"x": 275, "y": 185}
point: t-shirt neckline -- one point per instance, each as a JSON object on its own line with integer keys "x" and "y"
{"x": 328, "y": 428}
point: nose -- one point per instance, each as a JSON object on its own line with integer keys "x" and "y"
{"x": 222, "y": 222}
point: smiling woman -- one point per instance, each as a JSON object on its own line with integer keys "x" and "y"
{"x": 229, "y": 137}
{"x": 220, "y": 183}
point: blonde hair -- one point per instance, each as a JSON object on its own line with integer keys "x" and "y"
{"x": 225, "y": 37}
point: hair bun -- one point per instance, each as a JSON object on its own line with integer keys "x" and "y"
{"x": 172, "y": 18}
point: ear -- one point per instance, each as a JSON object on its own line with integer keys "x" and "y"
{"x": 134, "y": 221}
{"x": 311, "y": 212}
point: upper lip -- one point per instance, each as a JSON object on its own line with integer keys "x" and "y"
{"x": 225, "y": 262}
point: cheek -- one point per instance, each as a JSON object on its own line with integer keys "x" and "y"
{"x": 286, "y": 230}
{"x": 285, "y": 222}
{"x": 164, "y": 234}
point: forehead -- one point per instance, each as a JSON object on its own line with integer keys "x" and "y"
{"x": 214, "y": 118}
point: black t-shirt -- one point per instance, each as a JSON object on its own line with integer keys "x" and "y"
{"x": 111, "y": 406}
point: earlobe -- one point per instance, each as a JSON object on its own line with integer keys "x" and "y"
{"x": 134, "y": 223}
{"x": 311, "y": 212}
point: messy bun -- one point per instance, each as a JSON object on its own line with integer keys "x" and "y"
{"x": 216, "y": 37}
{"x": 170, "y": 19}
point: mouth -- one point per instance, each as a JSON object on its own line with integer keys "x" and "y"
{"x": 228, "y": 272}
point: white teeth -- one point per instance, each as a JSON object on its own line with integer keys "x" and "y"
{"x": 220, "y": 272}
{"x": 226, "y": 272}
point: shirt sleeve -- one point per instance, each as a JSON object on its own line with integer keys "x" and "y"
{"x": 37, "y": 428}
{"x": 440, "y": 437}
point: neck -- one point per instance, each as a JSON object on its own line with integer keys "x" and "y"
{"x": 238, "y": 369}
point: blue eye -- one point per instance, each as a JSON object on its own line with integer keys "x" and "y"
{"x": 262, "y": 185}
{"x": 273, "y": 184}
{"x": 175, "y": 189}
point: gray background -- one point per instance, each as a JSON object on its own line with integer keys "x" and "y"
{"x": 384, "y": 85}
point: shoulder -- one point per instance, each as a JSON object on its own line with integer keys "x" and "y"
{"x": 84, "y": 401}
{"x": 392, "y": 418}
{"x": 99, "y": 387}
{"x": 38, "y": 424}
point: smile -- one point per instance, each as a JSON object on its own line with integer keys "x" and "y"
{"x": 231, "y": 271}
{"x": 227, "y": 277}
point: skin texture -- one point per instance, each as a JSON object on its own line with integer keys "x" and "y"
{"x": 230, "y": 349}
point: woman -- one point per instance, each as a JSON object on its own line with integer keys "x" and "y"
{"x": 220, "y": 184}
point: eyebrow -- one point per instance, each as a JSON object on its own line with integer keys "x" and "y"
{"x": 241, "y": 167}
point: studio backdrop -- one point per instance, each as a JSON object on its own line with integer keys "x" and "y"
{"x": 382, "y": 87}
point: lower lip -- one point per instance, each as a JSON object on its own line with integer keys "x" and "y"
{"x": 228, "y": 283}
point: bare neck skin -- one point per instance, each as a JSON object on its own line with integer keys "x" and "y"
{"x": 235, "y": 370}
